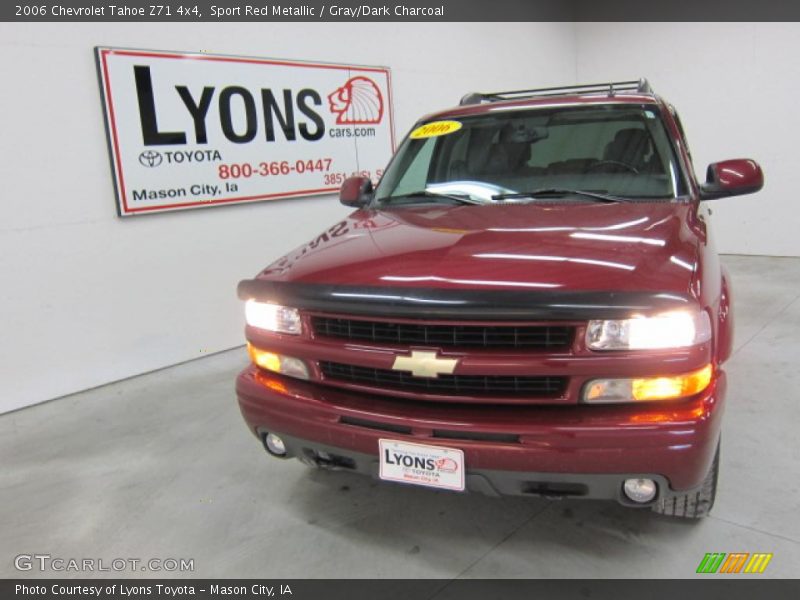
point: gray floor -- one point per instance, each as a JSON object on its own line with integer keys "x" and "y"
{"x": 161, "y": 466}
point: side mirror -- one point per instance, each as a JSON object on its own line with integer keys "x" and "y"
{"x": 356, "y": 191}
{"x": 732, "y": 178}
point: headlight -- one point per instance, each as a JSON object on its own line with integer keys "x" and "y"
{"x": 677, "y": 329}
{"x": 604, "y": 391}
{"x": 273, "y": 317}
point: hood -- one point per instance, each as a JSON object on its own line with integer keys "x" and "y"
{"x": 648, "y": 247}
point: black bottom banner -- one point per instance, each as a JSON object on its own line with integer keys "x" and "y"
{"x": 391, "y": 589}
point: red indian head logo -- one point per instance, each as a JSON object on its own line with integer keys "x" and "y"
{"x": 448, "y": 465}
{"x": 357, "y": 102}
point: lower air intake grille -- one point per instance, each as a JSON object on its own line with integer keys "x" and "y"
{"x": 454, "y": 385}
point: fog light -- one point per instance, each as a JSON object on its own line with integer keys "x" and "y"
{"x": 640, "y": 490}
{"x": 275, "y": 445}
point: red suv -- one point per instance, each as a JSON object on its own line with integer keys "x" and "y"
{"x": 529, "y": 302}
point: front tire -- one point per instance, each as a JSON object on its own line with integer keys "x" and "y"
{"x": 696, "y": 504}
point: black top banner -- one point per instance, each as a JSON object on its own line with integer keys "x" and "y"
{"x": 402, "y": 10}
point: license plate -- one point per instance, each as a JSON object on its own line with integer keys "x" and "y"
{"x": 420, "y": 464}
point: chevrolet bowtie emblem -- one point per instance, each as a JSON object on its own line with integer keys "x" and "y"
{"x": 425, "y": 364}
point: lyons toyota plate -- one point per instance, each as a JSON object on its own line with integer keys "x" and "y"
{"x": 420, "y": 464}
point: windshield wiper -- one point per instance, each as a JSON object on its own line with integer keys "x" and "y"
{"x": 559, "y": 192}
{"x": 461, "y": 199}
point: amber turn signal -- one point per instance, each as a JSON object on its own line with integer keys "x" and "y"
{"x": 677, "y": 386}
{"x": 648, "y": 388}
{"x": 278, "y": 363}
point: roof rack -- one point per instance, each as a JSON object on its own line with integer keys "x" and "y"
{"x": 640, "y": 86}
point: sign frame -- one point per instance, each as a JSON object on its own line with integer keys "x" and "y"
{"x": 110, "y": 118}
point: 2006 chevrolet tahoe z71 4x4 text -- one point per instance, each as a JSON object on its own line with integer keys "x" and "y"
{"x": 529, "y": 302}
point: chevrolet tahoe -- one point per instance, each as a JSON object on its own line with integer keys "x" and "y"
{"x": 529, "y": 302}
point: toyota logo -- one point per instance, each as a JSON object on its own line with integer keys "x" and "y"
{"x": 150, "y": 158}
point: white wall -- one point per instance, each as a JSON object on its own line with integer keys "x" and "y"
{"x": 87, "y": 298}
{"x": 736, "y": 87}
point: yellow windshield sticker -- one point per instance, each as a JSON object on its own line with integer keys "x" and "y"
{"x": 434, "y": 129}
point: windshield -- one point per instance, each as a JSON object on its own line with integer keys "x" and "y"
{"x": 612, "y": 152}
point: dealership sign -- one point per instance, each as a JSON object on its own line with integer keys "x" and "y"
{"x": 190, "y": 130}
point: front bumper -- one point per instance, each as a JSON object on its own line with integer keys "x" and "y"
{"x": 577, "y": 450}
